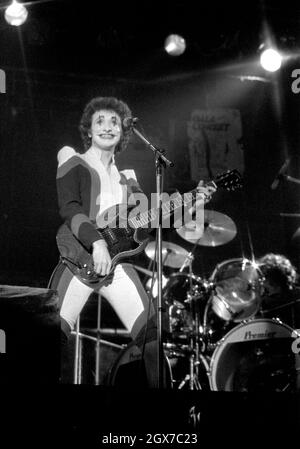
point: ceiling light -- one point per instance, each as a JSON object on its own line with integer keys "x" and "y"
{"x": 16, "y": 14}
{"x": 175, "y": 45}
{"x": 270, "y": 60}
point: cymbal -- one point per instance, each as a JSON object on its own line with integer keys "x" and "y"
{"x": 172, "y": 255}
{"x": 218, "y": 229}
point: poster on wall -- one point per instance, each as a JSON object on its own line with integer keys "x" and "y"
{"x": 214, "y": 141}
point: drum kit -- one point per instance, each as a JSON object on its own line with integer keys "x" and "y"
{"x": 213, "y": 336}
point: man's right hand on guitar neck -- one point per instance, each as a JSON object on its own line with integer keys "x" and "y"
{"x": 101, "y": 258}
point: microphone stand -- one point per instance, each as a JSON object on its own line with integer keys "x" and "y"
{"x": 161, "y": 162}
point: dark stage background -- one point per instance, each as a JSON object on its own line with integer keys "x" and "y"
{"x": 68, "y": 52}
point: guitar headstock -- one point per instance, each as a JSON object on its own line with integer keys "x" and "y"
{"x": 230, "y": 180}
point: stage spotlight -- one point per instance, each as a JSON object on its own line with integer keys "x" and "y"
{"x": 270, "y": 60}
{"x": 175, "y": 45}
{"x": 16, "y": 14}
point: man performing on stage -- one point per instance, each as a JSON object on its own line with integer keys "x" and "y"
{"x": 89, "y": 183}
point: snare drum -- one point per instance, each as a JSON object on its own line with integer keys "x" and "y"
{"x": 236, "y": 296}
{"x": 255, "y": 356}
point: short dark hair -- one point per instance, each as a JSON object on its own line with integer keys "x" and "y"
{"x": 279, "y": 270}
{"x": 108, "y": 104}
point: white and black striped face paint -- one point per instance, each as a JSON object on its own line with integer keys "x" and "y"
{"x": 106, "y": 129}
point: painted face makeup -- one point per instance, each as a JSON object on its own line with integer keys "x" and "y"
{"x": 106, "y": 129}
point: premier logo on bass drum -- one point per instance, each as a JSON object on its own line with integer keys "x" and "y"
{"x": 257, "y": 336}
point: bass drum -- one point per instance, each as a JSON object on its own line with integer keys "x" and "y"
{"x": 237, "y": 291}
{"x": 255, "y": 356}
{"x": 128, "y": 371}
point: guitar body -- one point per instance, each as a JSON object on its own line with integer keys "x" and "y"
{"x": 122, "y": 242}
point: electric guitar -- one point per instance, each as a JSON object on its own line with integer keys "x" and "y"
{"x": 125, "y": 233}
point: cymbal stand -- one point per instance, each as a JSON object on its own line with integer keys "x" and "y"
{"x": 194, "y": 342}
{"x": 189, "y": 260}
{"x": 192, "y": 378}
{"x": 194, "y": 349}
{"x": 194, "y": 358}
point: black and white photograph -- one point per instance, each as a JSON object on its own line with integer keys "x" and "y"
{"x": 150, "y": 222}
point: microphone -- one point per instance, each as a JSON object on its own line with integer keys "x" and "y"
{"x": 280, "y": 174}
{"x": 129, "y": 122}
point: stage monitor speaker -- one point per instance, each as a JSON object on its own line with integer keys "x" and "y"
{"x": 30, "y": 335}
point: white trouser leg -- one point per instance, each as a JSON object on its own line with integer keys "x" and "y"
{"x": 124, "y": 293}
{"x": 75, "y": 298}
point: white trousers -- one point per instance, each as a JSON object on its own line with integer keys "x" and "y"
{"x": 125, "y": 293}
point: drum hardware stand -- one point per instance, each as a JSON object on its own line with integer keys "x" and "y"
{"x": 189, "y": 259}
{"x": 160, "y": 162}
{"x": 194, "y": 360}
{"x": 187, "y": 262}
{"x": 79, "y": 336}
{"x": 195, "y": 349}
{"x": 193, "y": 377}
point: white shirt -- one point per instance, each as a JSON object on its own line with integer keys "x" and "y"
{"x": 112, "y": 192}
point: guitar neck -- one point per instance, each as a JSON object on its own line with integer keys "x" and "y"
{"x": 151, "y": 215}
